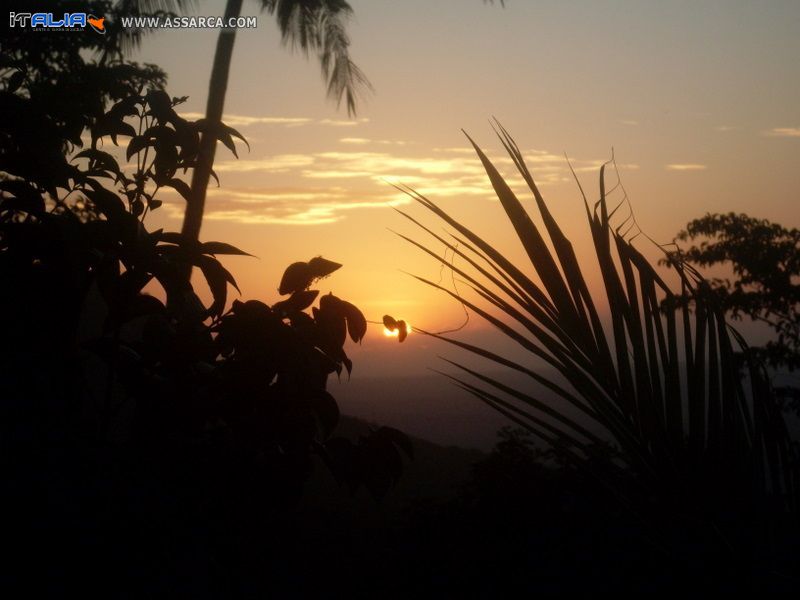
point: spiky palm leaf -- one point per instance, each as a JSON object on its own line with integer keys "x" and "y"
{"x": 662, "y": 385}
{"x": 320, "y": 26}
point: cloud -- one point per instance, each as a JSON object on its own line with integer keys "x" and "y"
{"x": 286, "y": 206}
{"x": 242, "y": 120}
{"x": 594, "y": 166}
{"x": 343, "y": 122}
{"x": 630, "y": 122}
{"x": 443, "y": 176}
{"x": 783, "y": 132}
{"x": 280, "y": 163}
{"x": 685, "y": 167}
{"x": 332, "y": 183}
{"x": 334, "y": 174}
{"x": 542, "y": 157}
{"x": 385, "y": 164}
{"x": 725, "y": 128}
{"x": 362, "y": 141}
{"x": 456, "y": 150}
{"x": 245, "y": 120}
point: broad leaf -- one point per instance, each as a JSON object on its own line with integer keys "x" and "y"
{"x": 296, "y": 277}
{"x": 182, "y": 188}
{"x": 221, "y": 248}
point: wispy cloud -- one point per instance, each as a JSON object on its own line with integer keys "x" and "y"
{"x": 246, "y": 120}
{"x": 243, "y": 120}
{"x": 630, "y": 122}
{"x": 279, "y": 163}
{"x": 456, "y": 150}
{"x": 725, "y": 128}
{"x": 444, "y": 176}
{"x": 685, "y": 167}
{"x": 364, "y": 141}
{"x": 343, "y": 122}
{"x": 335, "y": 174}
{"x": 287, "y": 206}
{"x": 332, "y": 183}
{"x": 783, "y": 132}
{"x": 384, "y": 163}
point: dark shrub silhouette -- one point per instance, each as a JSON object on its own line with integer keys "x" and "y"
{"x": 135, "y": 419}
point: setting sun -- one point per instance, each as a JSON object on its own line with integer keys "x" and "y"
{"x": 394, "y": 333}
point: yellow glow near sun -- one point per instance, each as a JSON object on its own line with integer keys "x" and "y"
{"x": 396, "y": 332}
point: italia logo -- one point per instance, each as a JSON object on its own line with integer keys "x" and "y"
{"x": 68, "y": 22}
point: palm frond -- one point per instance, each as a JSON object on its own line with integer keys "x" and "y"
{"x": 320, "y": 26}
{"x": 660, "y": 377}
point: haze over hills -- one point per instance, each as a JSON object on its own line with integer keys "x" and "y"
{"x": 428, "y": 407}
{"x": 432, "y": 408}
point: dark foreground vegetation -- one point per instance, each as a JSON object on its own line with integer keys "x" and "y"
{"x": 153, "y": 446}
{"x": 96, "y": 523}
{"x": 131, "y": 412}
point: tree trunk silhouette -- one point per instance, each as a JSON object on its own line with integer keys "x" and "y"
{"x": 318, "y": 26}
{"x": 193, "y": 217}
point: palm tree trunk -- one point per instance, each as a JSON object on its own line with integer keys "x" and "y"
{"x": 193, "y": 217}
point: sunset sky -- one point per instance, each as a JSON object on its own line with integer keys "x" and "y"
{"x": 700, "y": 101}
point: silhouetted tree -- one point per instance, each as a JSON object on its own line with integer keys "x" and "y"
{"x": 121, "y": 390}
{"x": 219, "y": 363}
{"x": 765, "y": 258}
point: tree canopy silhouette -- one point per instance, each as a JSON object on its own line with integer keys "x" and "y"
{"x": 116, "y": 378}
{"x": 186, "y": 363}
{"x": 765, "y": 258}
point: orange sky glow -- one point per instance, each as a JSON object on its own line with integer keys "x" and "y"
{"x": 700, "y": 101}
